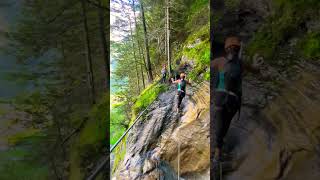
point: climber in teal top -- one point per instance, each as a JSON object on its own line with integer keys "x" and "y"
{"x": 181, "y": 87}
{"x": 227, "y": 91}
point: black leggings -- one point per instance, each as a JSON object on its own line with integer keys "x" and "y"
{"x": 180, "y": 97}
{"x": 163, "y": 79}
{"x": 225, "y": 107}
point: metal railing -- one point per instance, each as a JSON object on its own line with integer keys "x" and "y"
{"x": 126, "y": 132}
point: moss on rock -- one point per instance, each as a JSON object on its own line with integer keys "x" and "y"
{"x": 281, "y": 25}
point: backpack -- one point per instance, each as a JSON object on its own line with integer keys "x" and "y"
{"x": 233, "y": 76}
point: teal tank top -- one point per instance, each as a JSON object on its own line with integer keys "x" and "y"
{"x": 221, "y": 81}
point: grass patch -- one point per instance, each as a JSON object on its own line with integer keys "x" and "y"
{"x": 148, "y": 96}
{"x": 119, "y": 153}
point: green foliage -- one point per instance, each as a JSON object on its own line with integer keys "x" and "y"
{"x": 199, "y": 4}
{"x": 117, "y": 118}
{"x": 201, "y": 33}
{"x": 148, "y": 96}
{"x": 24, "y": 160}
{"x": 197, "y": 15}
{"x": 119, "y": 153}
{"x": 271, "y": 34}
{"x": 91, "y": 139}
{"x": 23, "y": 170}
{"x": 207, "y": 76}
{"x": 35, "y": 104}
{"x": 284, "y": 22}
{"x": 310, "y": 46}
{"x": 200, "y": 53}
{"x": 48, "y": 37}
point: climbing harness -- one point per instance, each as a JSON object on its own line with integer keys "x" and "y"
{"x": 228, "y": 92}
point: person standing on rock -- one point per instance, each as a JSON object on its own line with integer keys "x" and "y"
{"x": 182, "y": 83}
{"x": 227, "y": 92}
{"x": 164, "y": 73}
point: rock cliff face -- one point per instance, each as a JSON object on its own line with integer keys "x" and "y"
{"x": 277, "y": 135}
{"x": 165, "y": 143}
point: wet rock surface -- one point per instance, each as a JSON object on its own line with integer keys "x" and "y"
{"x": 276, "y": 138}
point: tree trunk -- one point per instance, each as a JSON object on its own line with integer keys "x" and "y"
{"x": 143, "y": 64}
{"x": 142, "y": 76}
{"x": 104, "y": 44}
{"x": 138, "y": 43}
{"x": 133, "y": 50}
{"x": 134, "y": 56}
{"x": 168, "y": 37}
{"x": 88, "y": 51}
{"x": 150, "y": 77}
